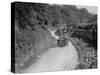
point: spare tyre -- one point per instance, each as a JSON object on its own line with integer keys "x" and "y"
{"x": 62, "y": 42}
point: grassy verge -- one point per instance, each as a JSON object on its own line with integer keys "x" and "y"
{"x": 87, "y": 54}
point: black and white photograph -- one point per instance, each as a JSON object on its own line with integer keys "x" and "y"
{"x": 47, "y": 37}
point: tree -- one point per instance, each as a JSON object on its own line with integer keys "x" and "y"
{"x": 83, "y": 15}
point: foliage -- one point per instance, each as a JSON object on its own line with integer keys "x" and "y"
{"x": 33, "y": 21}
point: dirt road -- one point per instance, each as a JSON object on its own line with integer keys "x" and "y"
{"x": 56, "y": 59}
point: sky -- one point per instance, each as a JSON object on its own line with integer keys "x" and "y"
{"x": 91, "y": 9}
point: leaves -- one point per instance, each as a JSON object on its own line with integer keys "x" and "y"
{"x": 34, "y": 19}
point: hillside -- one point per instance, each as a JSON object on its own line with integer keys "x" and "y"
{"x": 32, "y": 21}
